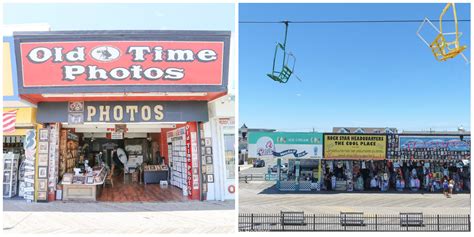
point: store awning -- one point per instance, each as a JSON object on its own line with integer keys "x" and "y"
{"x": 9, "y": 120}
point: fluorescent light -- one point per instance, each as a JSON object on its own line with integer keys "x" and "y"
{"x": 127, "y": 94}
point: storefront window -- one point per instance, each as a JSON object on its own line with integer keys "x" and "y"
{"x": 229, "y": 141}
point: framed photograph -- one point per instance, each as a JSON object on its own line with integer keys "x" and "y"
{"x": 67, "y": 178}
{"x": 42, "y": 159}
{"x": 210, "y": 178}
{"x": 208, "y": 150}
{"x": 43, "y": 134}
{"x": 209, "y": 169}
{"x": 202, "y": 151}
{"x": 203, "y": 142}
{"x": 42, "y": 172}
{"x": 43, "y": 148}
{"x": 204, "y": 178}
{"x": 75, "y": 118}
{"x": 90, "y": 179}
{"x": 76, "y": 106}
{"x": 42, "y": 196}
{"x": 208, "y": 159}
{"x": 207, "y": 141}
{"x": 97, "y": 179}
{"x": 203, "y": 160}
{"x": 42, "y": 185}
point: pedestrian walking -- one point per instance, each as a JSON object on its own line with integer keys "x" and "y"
{"x": 451, "y": 186}
{"x": 445, "y": 186}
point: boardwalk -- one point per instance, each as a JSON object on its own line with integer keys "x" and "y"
{"x": 259, "y": 197}
{"x": 107, "y": 217}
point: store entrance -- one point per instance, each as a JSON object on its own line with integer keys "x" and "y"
{"x": 133, "y": 163}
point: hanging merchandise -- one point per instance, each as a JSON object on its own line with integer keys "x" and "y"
{"x": 284, "y": 73}
{"x": 442, "y": 48}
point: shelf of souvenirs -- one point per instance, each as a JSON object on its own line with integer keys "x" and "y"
{"x": 94, "y": 177}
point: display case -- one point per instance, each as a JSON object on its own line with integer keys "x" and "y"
{"x": 85, "y": 186}
{"x": 10, "y": 174}
{"x": 155, "y": 173}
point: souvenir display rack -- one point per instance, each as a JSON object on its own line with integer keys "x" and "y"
{"x": 69, "y": 152}
{"x": 178, "y": 157}
{"x": 10, "y": 175}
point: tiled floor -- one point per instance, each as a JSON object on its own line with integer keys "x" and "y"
{"x": 135, "y": 192}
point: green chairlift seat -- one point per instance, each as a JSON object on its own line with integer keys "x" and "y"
{"x": 287, "y": 67}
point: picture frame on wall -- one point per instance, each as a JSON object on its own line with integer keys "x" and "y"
{"x": 43, "y": 148}
{"x": 208, "y": 159}
{"x": 208, "y": 141}
{"x": 76, "y": 106}
{"x": 43, "y": 134}
{"x": 42, "y": 196}
{"x": 42, "y": 185}
{"x": 208, "y": 150}
{"x": 42, "y": 172}
{"x": 203, "y": 142}
{"x": 210, "y": 178}
{"x": 209, "y": 169}
{"x": 42, "y": 159}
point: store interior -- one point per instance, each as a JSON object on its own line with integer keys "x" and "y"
{"x": 132, "y": 165}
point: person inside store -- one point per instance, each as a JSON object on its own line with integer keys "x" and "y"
{"x": 119, "y": 158}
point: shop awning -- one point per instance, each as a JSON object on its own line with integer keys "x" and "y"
{"x": 9, "y": 120}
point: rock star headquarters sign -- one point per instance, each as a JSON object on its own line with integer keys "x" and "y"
{"x": 122, "y": 59}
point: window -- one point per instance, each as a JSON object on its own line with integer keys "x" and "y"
{"x": 229, "y": 146}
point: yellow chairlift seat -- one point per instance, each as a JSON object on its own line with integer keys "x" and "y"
{"x": 442, "y": 48}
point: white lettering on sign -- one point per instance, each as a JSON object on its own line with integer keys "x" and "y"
{"x": 119, "y": 113}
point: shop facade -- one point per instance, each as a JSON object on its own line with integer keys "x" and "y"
{"x": 385, "y": 161}
{"x": 145, "y": 94}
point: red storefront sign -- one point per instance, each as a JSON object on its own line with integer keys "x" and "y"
{"x": 99, "y": 63}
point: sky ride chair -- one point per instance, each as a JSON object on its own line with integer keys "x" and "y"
{"x": 441, "y": 48}
{"x": 288, "y": 63}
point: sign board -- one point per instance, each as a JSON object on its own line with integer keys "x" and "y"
{"x": 285, "y": 144}
{"x": 123, "y": 61}
{"x": 435, "y": 147}
{"x": 126, "y": 111}
{"x": 450, "y": 143}
{"x": 117, "y": 135}
{"x": 355, "y": 146}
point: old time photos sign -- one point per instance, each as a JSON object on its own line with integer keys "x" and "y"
{"x": 360, "y": 146}
{"x": 102, "y": 63}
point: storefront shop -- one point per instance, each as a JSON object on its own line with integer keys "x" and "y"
{"x": 424, "y": 161}
{"x": 383, "y": 162}
{"x": 19, "y": 129}
{"x": 124, "y": 113}
{"x": 298, "y": 158}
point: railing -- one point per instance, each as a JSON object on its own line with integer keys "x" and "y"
{"x": 292, "y": 221}
{"x": 258, "y": 177}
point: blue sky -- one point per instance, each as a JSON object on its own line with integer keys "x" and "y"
{"x": 123, "y": 16}
{"x": 367, "y": 75}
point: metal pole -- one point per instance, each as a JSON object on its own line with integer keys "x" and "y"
{"x": 438, "y": 222}
{"x": 376, "y": 224}
{"x": 251, "y": 222}
{"x": 314, "y": 222}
